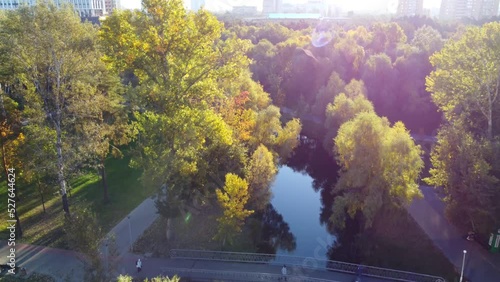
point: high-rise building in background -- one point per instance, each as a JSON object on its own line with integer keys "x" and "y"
{"x": 473, "y": 9}
{"x": 410, "y": 8}
{"x": 111, "y": 5}
{"x": 490, "y": 8}
{"x": 85, "y": 8}
{"x": 272, "y": 6}
{"x": 197, "y": 4}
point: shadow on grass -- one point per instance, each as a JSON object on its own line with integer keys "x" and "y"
{"x": 125, "y": 191}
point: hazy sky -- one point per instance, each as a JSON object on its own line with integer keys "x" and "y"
{"x": 378, "y": 5}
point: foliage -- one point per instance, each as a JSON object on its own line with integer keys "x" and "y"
{"x": 260, "y": 173}
{"x": 427, "y": 39}
{"x": 344, "y": 108}
{"x": 181, "y": 64}
{"x": 465, "y": 87}
{"x": 232, "y": 199}
{"x": 51, "y": 60}
{"x": 127, "y": 278}
{"x": 83, "y": 234}
{"x": 461, "y": 165}
{"x": 380, "y": 165}
{"x": 466, "y": 81}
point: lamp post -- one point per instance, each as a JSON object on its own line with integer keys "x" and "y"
{"x": 130, "y": 232}
{"x": 463, "y": 263}
{"x": 106, "y": 255}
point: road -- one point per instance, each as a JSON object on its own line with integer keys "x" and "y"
{"x": 480, "y": 265}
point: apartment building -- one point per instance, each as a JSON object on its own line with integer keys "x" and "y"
{"x": 410, "y": 8}
{"x": 85, "y": 8}
{"x": 472, "y": 9}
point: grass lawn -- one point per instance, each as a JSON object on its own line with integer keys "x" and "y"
{"x": 125, "y": 191}
{"x": 35, "y": 277}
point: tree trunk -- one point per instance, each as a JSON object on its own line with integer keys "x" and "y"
{"x": 169, "y": 229}
{"x": 60, "y": 172}
{"x": 102, "y": 171}
{"x": 41, "y": 195}
{"x": 490, "y": 123}
{"x": 19, "y": 229}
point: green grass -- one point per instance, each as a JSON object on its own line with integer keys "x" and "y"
{"x": 34, "y": 277}
{"x": 125, "y": 192}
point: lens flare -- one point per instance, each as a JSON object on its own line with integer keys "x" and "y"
{"x": 322, "y": 34}
{"x": 187, "y": 218}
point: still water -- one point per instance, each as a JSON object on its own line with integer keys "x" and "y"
{"x": 300, "y": 205}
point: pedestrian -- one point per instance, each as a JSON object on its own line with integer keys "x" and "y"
{"x": 359, "y": 273}
{"x": 138, "y": 264}
{"x": 283, "y": 272}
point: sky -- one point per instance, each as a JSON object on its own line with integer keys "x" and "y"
{"x": 346, "y": 5}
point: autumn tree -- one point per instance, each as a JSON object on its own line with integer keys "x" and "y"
{"x": 232, "y": 199}
{"x": 380, "y": 79}
{"x": 181, "y": 64}
{"x": 466, "y": 82}
{"x": 260, "y": 174}
{"x": 380, "y": 166}
{"x": 327, "y": 93}
{"x": 54, "y": 63}
{"x": 83, "y": 234}
{"x": 465, "y": 87}
{"x": 108, "y": 130}
{"x": 427, "y": 39}
{"x": 461, "y": 164}
{"x": 270, "y": 132}
{"x": 344, "y": 108}
{"x": 11, "y": 140}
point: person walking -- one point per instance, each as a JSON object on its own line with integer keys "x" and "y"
{"x": 138, "y": 264}
{"x": 283, "y": 272}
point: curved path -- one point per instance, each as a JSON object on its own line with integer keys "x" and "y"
{"x": 480, "y": 265}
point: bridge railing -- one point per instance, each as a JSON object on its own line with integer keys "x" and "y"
{"x": 308, "y": 263}
{"x": 235, "y": 275}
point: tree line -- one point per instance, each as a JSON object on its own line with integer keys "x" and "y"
{"x": 433, "y": 77}
{"x": 162, "y": 82}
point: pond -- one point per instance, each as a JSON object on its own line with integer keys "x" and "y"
{"x": 297, "y": 196}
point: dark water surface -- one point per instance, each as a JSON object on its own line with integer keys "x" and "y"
{"x": 301, "y": 191}
{"x": 298, "y": 203}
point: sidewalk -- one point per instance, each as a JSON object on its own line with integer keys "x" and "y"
{"x": 127, "y": 231}
{"x": 480, "y": 265}
{"x": 63, "y": 265}
{"x": 60, "y": 264}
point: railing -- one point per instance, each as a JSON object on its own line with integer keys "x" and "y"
{"x": 307, "y": 263}
{"x": 234, "y": 275}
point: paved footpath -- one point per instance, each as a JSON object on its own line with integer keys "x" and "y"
{"x": 131, "y": 227}
{"x": 61, "y": 264}
{"x": 66, "y": 265}
{"x": 480, "y": 265}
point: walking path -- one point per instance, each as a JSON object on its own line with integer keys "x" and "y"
{"x": 480, "y": 265}
{"x": 130, "y": 228}
{"x": 66, "y": 266}
{"x": 63, "y": 264}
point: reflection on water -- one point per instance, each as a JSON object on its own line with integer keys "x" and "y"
{"x": 300, "y": 205}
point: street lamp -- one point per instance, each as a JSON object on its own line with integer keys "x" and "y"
{"x": 463, "y": 263}
{"x": 106, "y": 255}
{"x": 130, "y": 232}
